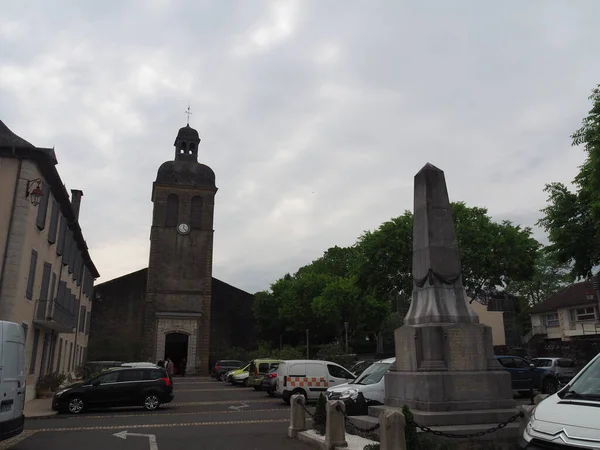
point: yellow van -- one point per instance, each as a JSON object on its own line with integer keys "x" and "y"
{"x": 258, "y": 370}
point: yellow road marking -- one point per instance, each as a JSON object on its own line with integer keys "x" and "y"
{"x": 4, "y": 445}
{"x": 192, "y": 413}
{"x": 162, "y": 425}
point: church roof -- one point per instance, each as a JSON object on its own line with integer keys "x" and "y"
{"x": 10, "y": 139}
{"x": 187, "y": 133}
{"x": 187, "y": 173}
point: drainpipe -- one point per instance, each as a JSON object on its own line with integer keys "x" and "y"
{"x": 10, "y": 225}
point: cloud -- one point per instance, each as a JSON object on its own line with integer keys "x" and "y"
{"x": 314, "y": 115}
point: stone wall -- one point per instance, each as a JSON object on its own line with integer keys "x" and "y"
{"x": 232, "y": 323}
{"x": 117, "y": 322}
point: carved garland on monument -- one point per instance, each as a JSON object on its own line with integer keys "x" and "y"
{"x": 431, "y": 276}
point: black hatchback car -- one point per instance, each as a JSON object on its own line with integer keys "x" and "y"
{"x": 138, "y": 386}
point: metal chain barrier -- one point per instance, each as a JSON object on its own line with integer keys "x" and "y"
{"x": 354, "y": 426}
{"x": 466, "y": 435}
{"x": 311, "y": 414}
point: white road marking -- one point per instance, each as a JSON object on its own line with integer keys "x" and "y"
{"x": 237, "y": 408}
{"x": 151, "y": 438}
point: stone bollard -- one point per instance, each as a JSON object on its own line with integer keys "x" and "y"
{"x": 391, "y": 430}
{"x": 335, "y": 430}
{"x": 526, "y": 410}
{"x": 297, "y": 415}
{"x": 538, "y": 398}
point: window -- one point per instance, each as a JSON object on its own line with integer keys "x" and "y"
{"x": 40, "y": 220}
{"x": 132, "y": 375}
{"x": 108, "y": 378}
{"x": 520, "y": 363}
{"x": 52, "y": 287}
{"x": 551, "y": 320}
{"x": 339, "y": 372}
{"x": 542, "y": 362}
{"x": 172, "y": 210}
{"x": 82, "y": 318}
{"x": 36, "y": 341}
{"x": 509, "y": 363}
{"x": 196, "y": 212}
{"x": 67, "y": 248}
{"x": 31, "y": 277}
{"x": 583, "y": 314}
{"x": 88, "y": 320}
{"x": 53, "y": 222}
{"x": 154, "y": 374}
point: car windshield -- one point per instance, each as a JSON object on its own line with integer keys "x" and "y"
{"x": 587, "y": 385}
{"x": 373, "y": 374}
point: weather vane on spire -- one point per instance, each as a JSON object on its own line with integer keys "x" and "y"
{"x": 188, "y": 112}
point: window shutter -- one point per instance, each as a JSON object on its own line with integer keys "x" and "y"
{"x": 36, "y": 341}
{"x": 45, "y": 281}
{"x": 60, "y": 247}
{"x": 31, "y": 277}
{"x": 72, "y": 252}
{"x": 40, "y": 221}
{"x": 67, "y": 247}
{"x": 88, "y": 322}
{"x": 53, "y": 222}
{"x": 172, "y": 210}
{"x": 51, "y": 295}
{"x": 196, "y": 212}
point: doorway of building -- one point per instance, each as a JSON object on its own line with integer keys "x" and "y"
{"x": 176, "y": 348}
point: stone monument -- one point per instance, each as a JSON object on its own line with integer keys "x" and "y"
{"x": 445, "y": 368}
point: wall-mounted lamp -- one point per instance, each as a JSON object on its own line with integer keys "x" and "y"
{"x": 34, "y": 191}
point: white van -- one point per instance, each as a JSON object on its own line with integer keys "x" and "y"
{"x": 569, "y": 418}
{"x": 309, "y": 378}
{"x": 371, "y": 383}
{"x": 12, "y": 379}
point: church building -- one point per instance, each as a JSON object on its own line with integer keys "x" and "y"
{"x": 174, "y": 308}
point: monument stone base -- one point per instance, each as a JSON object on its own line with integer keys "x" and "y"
{"x": 446, "y": 374}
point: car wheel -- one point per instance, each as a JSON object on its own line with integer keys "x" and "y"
{"x": 76, "y": 405}
{"x": 151, "y": 402}
{"x": 550, "y": 386}
{"x": 271, "y": 393}
{"x": 221, "y": 377}
{"x": 256, "y": 388}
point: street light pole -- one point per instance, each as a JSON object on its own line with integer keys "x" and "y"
{"x": 307, "y": 345}
{"x": 346, "y": 328}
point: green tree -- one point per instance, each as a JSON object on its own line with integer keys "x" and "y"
{"x": 572, "y": 219}
{"x": 492, "y": 254}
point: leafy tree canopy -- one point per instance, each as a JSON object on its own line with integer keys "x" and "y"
{"x": 572, "y": 218}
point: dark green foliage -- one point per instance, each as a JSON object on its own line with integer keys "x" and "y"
{"x": 320, "y": 418}
{"x": 572, "y": 219}
{"x": 410, "y": 430}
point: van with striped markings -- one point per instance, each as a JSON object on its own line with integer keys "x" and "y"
{"x": 310, "y": 378}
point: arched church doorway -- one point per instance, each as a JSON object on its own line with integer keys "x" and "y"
{"x": 176, "y": 348}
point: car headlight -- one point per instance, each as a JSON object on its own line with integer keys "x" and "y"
{"x": 350, "y": 393}
{"x": 530, "y": 422}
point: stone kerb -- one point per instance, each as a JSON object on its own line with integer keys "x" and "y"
{"x": 297, "y": 415}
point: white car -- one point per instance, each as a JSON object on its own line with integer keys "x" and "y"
{"x": 241, "y": 378}
{"x": 371, "y": 383}
{"x": 569, "y": 418}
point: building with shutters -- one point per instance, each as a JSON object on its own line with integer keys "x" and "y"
{"x": 46, "y": 272}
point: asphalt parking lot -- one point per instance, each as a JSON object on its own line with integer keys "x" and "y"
{"x": 205, "y": 414}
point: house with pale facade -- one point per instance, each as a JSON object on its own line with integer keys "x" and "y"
{"x": 46, "y": 272}
{"x": 571, "y": 313}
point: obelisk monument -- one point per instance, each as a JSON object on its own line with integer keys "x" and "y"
{"x": 445, "y": 368}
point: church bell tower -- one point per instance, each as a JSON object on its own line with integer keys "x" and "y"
{"x": 178, "y": 298}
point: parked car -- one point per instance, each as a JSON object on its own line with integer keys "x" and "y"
{"x": 564, "y": 368}
{"x": 360, "y": 367}
{"x": 570, "y": 418}
{"x": 223, "y": 366}
{"x": 371, "y": 384}
{"x": 139, "y": 386}
{"x": 269, "y": 383}
{"x": 139, "y": 364}
{"x": 309, "y": 378}
{"x": 523, "y": 373}
{"x": 240, "y": 378}
{"x": 12, "y": 379}
{"x": 229, "y": 375}
{"x": 258, "y": 369}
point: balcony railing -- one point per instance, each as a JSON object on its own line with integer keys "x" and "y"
{"x": 54, "y": 316}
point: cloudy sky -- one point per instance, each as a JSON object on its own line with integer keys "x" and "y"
{"x": 314, "y": 114}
